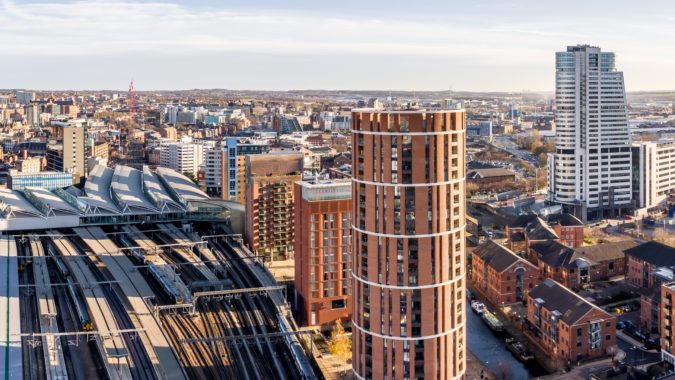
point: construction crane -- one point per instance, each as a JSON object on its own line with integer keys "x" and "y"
{"x": 132, "y": 100}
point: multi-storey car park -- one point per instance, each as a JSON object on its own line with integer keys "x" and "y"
{"x": 108, "y": 282}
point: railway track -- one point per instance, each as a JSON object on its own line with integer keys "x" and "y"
{"x": 33, "y": 355}
{"x": 140, "y": 364}
{"x": 260, "y": 312}
{"x": 222, "y": 318}
{"x": 82, "y": 359}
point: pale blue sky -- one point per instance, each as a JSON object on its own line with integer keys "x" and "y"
{"x": 477, "y": 45}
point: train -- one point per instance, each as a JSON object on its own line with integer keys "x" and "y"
{"x": 135, "y": 252}
{"x": 155, "y": 272}
{"x": 80, "y": 307}
{"x": 300, "y": 360}
{"x": 166, "y": 285}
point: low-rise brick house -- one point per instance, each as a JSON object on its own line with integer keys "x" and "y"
{"x": 574, "y": 267}
{"x": 568, "y": 326}
{"x": 650, "y": 301}
{"x": 490, "y": 175}
{"x": 644, "y": 260}
{"x": 569, "y": 228}
{"x": 526, "y": 230}
{"x": 500, "y": 274}
{"x": 667, "y": 293}
{"x": 651, "y": 298}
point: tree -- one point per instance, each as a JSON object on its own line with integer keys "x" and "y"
{"x": 664, "y": 236}
{"x": 340, "y": 343}
{"x": 191, "y": 177}
{"x": 471, "y": 188}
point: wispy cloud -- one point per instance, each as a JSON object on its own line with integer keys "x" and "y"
{"x": 78, "y": 29}
{"x": 117, "y": 27}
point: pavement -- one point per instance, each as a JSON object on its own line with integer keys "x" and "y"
{"x": 636, "y": 354}
{"x": 514, "y": 329}
{"x": 474, "y": 368}
{"x": 578, "y": 372}
{"x": 331, "y": 366}
{"x": 282, "y": 270}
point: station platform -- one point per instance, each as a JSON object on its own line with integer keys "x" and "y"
{"x": 11, "y": 366}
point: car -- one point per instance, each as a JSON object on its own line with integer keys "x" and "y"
{"x": 621, "y": 325}
{"x": 652, "y": 344}
{"x": 640, "y": 335}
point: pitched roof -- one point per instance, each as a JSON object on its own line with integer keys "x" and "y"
{"x": 540, "y": 230}
{"x": 557, "y": 255}
{"x": 558, "y": 298}
{"x": 497, "y": 256}
{"x": 654, "y": 252}
{"x": 607, "y": 251}
{"x": 565, "y": 220}
{"x": 491, "y": 172}
{"x": 553, "y": 253}
{"x": 523, "y": 220}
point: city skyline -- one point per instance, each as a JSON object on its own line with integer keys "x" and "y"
{"x": 165, "y": 45}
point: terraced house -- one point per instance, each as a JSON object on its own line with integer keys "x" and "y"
{"x": 500, "y": 274}
{"x": 576, "y": 267}
{"x": 568, "y": 326}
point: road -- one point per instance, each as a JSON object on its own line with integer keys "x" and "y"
{"x": 635, "y": 354}
{"x": 506, "y": 143}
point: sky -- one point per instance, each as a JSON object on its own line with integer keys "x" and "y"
{"x": 477, "y": 45}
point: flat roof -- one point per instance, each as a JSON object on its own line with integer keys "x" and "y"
{"x": 333, "y": 189}
{"x": 403, "y": 111}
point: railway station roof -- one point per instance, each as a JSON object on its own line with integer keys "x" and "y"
{"x": 13, "y": 204}
{"x": 127, "y": 190}
{"x": 119, "y": 195}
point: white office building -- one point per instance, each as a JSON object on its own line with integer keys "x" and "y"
{"x": 24, "y": 97}
{"x": 653, "y": 172}
{"x": 590, "y": 171}
{"x": 213, "y": 170}
{"x": 183, "y": 157}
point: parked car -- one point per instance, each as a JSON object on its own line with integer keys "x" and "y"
{"x": 652, "y": 344}
{"x": 620, "y": 325}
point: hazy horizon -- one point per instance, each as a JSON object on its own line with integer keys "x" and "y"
{"x": 481, "y": 46}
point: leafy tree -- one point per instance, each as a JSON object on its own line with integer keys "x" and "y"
{"x": 340, "y": 343}
{"x": 191, "y": 177}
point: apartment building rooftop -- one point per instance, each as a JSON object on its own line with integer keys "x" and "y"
{"x": 554, "y": 296}
{"x": 326, "y": 189}
{"x": 654, "y": 253}
{"x": 496, "y": 256}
